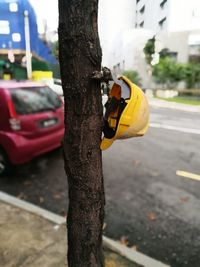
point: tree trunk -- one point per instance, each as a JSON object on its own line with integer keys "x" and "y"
{"x": 80, "y": 56}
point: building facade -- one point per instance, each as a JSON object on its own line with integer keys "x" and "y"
{"x": 152, "y": 14}
{"x": 171, "y": 21}
{"x": 167, "y": 15}
{"x": 12, "y": 30}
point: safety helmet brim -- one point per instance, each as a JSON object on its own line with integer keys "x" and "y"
{"x": 106, "y": 143}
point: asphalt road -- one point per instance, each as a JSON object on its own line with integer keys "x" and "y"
{"x": 147, "y": 204}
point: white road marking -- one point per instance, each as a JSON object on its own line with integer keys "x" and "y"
{"x": 189, "y": 175}
{"x": 175, "y": 128}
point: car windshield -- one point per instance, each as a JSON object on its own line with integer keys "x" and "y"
{"x": 34, "y": 100}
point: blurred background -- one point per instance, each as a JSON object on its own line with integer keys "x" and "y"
{"x": 152, "y": 183}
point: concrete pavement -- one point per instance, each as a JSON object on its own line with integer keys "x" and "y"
{"x": 31, "y": 236}
{"x": 27, "y": 239}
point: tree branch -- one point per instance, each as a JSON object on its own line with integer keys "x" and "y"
{"x": 104, "y": 75}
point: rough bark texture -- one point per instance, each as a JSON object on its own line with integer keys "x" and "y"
{"x": 80, "y": 56}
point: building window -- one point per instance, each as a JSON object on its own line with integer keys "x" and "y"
{"x": 141, "y": 24}
{"x": 118, "y": 67}
{"x": 196, "y": 13}
{"x": 123, "y": 64}
{"x": 16, "y": 37}
{"x": 142, "y": 10}
{"x": 13, "y": 7}
{"x": 162, "y": 22}
{"x": 4, "y": 27}
{"x": 163, "y": 3}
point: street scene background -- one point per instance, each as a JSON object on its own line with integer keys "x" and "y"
{"x": 148, "y": 206}
{"x": 152, "y": 183}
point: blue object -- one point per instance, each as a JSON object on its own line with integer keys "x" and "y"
{"x": 12, "y": 34}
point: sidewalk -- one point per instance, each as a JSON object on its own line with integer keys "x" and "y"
{"x": 33, "y": 237}
{"x": 155, "y": 102}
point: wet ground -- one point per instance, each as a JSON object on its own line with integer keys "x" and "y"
{"x": 148, "y": 206}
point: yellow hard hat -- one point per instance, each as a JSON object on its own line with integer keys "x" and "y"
{"x": 127, "y": 112}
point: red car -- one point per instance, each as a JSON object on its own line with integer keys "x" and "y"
{"x": 31, "y": 122}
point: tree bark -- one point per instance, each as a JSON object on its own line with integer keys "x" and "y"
{"x": 80, "y": 57}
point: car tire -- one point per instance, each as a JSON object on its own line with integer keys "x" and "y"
{"x": 5, "y": 166}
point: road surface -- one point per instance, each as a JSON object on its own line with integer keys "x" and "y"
{"x": 147, "y": 203}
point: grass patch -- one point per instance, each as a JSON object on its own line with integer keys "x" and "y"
{"x": 182, "y": 100}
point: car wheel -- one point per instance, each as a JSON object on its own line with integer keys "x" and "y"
{"x": 5, "y": 166}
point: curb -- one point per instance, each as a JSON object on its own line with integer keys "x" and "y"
{"x": 131, "y": 255}
{"x": 114, "y": 246}
{"x": 32, "y": 208}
